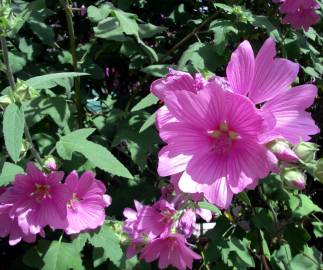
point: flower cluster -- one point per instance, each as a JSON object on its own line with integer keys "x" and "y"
{"x": 160, "y": 230}
{"x": 220, "y": 132}
{"x": 36, "y": 200}
{"x": 299, "y": 13}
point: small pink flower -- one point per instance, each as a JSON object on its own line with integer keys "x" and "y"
{"x": 170, "y": 250}
{"x": 157, "y": 219}
{"x": 10, "y": 226}
{"x": 299, "y": 13}
{"x": 86, "y": 205}
{"x": 38, "y": 200}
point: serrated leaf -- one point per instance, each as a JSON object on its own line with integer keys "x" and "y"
{"x": 107, "y": 245}
{"x": 51, "y": 80}
{"x": 97, "y": 14}
{"x": 318, "y": 228}
{"x": 13, "y": 129}
{"x": 128, "y": 25}
{"x": 301, "y": 205}
{"x": 146, "y": 102}
{"x": 98, "y": 155}
{"x": 8, "y": 173}
{"x": 54, "y": 255}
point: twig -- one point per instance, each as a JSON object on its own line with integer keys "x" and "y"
{"x": 77, "y": 82}
{"x": 13, "y": 89}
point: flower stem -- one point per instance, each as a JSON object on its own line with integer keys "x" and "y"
{"x": 77, "y": 82}
{"x": 12, "y": 83}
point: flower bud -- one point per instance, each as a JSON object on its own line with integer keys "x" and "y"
{"x": 306, "y": 151}
{"x": 50, "y": 163}
{"x": 282, "y": 151}
{"x": 293, "y": 178}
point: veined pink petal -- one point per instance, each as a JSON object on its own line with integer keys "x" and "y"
{"x": 174, "y": 81}
{"x": 293, "y": 123}
{"x": 241, "y": 68}
{"x": 272, "y": 76}
{"x": 164, "y": 117}
{"x": 171, "y": 161}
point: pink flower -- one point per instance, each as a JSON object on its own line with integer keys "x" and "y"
{"x": 267, "y": 80}
{"x": 214, "y": 142}
{"x": 290, "y": 6}
{"x": 302, "y": 18}
{"x": 174, "y": 80}
{"x": 38, "y": 200}
{"x": 299, "y": 13}
{"x": 157, "y": 219}
{"x": 86, "y": 205}
{"x": 170, "y": 250}
{"x": 9, "y": 226}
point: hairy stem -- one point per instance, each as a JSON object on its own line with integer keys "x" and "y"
{"x": 11, "y": 79}
{"x": 77, "y": 82}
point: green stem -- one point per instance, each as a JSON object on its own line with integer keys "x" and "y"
{"x": 12, "y": 83}
{"x": 77, "y": 82}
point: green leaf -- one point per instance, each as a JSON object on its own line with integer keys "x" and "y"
{"x": 13, "y": 129}
{"x": 17, "y": 61}
{"x": 282, "y": 257}
{"x": 146, "y": 102}
{"x": 149, "y": 122}
{"x": 156, "y": 70}
{"x": 8, "y": 173}
{"x": 128, "y": 25}
{"x": 37, "y": 24}
{"x": 98, "y": 155}
{"x": 98, "y": 14}
{"x": 301, "y": 205}
{"x": 54, "y": 255}
{"x": 149, "y": 30}
{"x": 296, "y": 243}
{"x": 318, "y": 228}
{"x": 140, "y": 145}
{"x": 107, "y": 245}
{"x": 51, "y": 80}
{"x": 301, "y": 262}
{"x": 211, "y": 207}
{"x": 56, "y": 107}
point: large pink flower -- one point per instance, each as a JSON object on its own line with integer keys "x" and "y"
{"x": 214, "y": 142}
{"x": 267, "y": 80}
{"x": 38, "y": 200}
{"x": 86, "y": 205}
{"x": 170, "y": 250}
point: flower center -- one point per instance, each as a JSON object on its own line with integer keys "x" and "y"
{"x": 73, "y": 202}
{"x": 41, "y": 192}
{"x": 223, "y": 138}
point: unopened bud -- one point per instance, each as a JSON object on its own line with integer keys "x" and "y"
{"x": 293, "y": 178}
{"x": 306, "y": 151}
{"x": 50, "y": 163}
{"x": 282, "y": 151}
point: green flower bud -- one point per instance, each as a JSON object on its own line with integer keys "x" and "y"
{"x": 306, "y": 151}
{"x": 293, "y": 178}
